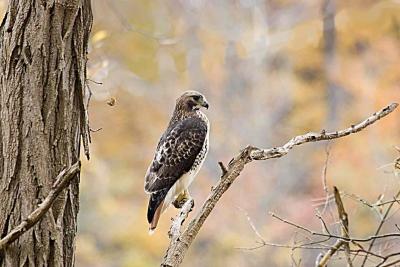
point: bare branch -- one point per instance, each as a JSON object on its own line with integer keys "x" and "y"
{"x": 95, "y": 130}
{"x": 347, "y": 239}
{"x": 323, "y": 223}
{"x": 391, "y": 263}
{"x": 175, "y": 229}
{"x": 95, "y": 82}
{"x": 253, "y": 227}
{"x": 263, "y": 154}
{"x": 297, "y": 225}
{"x": 62, "y": 181}
{"x": 324, "y": 179}
{"x": 325, "y": 170}
{"x": 383, "y": 220}
{"x": 345, "y": 233}
{"x": 309, "y": 247}
{"x": 323, "y": 259}
{"x": 396, "y": 200}
{"x": 178, "y": 248}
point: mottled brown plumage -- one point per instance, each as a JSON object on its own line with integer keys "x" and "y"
{"x": 179, "y": 155}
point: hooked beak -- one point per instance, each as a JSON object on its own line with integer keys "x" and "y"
{"x": 205, "y": 104}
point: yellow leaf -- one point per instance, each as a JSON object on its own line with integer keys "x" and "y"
{"x": 98, "y": 36}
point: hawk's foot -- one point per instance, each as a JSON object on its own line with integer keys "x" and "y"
{"x": 181, "y": 199}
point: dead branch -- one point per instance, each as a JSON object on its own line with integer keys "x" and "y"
{"x": 263, "y": 154}
{"x": 318, "y": 245}
{"x": 383, "y": 220}
{"x": 344, "y": 223}
{"x": 324, "y": 180}
{"x": 62, "y": 181}
{"x": 323, "y": 261}
{"x": 176, "y": 224}
{"x": 178, "y": 247}
{"x": 346, "y": 239}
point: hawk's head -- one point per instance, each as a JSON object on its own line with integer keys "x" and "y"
{"x": 191, "y": 100}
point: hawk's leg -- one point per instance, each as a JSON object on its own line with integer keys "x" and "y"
{"x": 181, "y": 199}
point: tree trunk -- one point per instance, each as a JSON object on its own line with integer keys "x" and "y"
{"x": 43, "y": 54}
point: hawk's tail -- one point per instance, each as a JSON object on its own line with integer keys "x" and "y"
{"x": 155, "y": 207}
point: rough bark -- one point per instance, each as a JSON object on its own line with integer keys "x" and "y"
{"x": 61, "y": 182}
{"x": 43, "y": 54}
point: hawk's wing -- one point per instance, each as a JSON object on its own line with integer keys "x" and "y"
{"x": 176, "y": 153}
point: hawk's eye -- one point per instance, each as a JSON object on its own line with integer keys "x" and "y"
{"x": 196, "y": 97}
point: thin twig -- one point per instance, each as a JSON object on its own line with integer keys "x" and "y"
{"x": 324, "y": 178}
{"x": 95, "y": 130}
{"x": 292, "y": 256}
{"x": 383, "y": 220}
{"x": 308, "y": 247}
{"x": 359, "y": 199}
{"x": 391, "y": 263}
{"x": 93, "y": 81}
{"x": 323, "y": 223}
{"x": 253, "y": 227}
{"x": 347, "y": 239}
{"x": 325, "y": 169}
{"x": 388, "y": 202}
{"x": 297, "y": 225}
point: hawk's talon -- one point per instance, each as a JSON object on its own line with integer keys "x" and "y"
{"x": 181, "y": 199}
{"x": 178, "y": 203}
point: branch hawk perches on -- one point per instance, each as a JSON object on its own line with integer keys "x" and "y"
{"x": 179, "y": 156}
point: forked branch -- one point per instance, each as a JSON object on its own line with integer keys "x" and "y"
{"x": 179, "y": 245}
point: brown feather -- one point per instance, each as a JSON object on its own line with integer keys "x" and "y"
{"x": 181, "y": 150}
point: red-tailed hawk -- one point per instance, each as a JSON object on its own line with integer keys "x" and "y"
{"x": 180, "y": 153}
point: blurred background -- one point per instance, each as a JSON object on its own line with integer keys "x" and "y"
{"x": 271, "y": 70}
